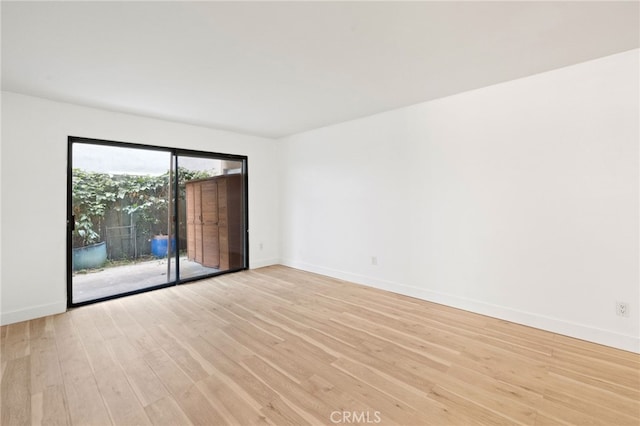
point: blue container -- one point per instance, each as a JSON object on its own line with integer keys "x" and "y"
{"x": 159, "y": 245}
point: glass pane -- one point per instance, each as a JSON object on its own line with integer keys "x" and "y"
{"x": 211, "y": 215}
{"x": 123, "y": 239}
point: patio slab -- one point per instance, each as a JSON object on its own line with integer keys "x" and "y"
{"x": 122, "y": 279}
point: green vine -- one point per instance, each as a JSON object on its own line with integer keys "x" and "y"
{"x": 146, "y": 197}
{"x": 92, "y": 195}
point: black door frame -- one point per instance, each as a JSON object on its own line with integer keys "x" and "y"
{"x": 176, "y": 153}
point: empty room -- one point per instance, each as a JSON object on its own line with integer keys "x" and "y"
{"x": 320, "y": 213}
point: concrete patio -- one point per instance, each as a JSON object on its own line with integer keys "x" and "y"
{"x": 122, "y": 279}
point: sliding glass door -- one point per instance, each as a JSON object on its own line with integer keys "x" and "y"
{"x": 211, "y": 208}
{"x": 145, "y": 217}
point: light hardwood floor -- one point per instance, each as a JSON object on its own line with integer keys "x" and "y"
{"x": 280, "y": 346}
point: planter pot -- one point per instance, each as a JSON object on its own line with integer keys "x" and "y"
{"x": 90, "y": 257}
{"x": 159, "y": 245}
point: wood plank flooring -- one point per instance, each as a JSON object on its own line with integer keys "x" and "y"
{"x": 278, "y": 346}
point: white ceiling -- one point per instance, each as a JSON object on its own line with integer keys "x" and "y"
{"x": 278, "y": 68}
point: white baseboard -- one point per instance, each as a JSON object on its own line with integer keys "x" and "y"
{"x": 32, "y": 313}
{"x": 555, "y": 325}
{"x": 255, "y": 264}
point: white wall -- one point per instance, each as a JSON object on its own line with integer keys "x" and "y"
{"x": 34, "y": 161}
{"x": 518, "y": 200}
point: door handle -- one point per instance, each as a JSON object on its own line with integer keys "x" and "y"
{"x": 71, "y": 223}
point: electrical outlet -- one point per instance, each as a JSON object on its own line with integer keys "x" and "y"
{"x": 622, "y": 309}
{"x": 374, "y": 260}
{"x": 261, "y": 246}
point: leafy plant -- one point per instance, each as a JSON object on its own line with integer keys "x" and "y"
{"x": 146, "y": 197}
{"x": 92, "y": 192}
